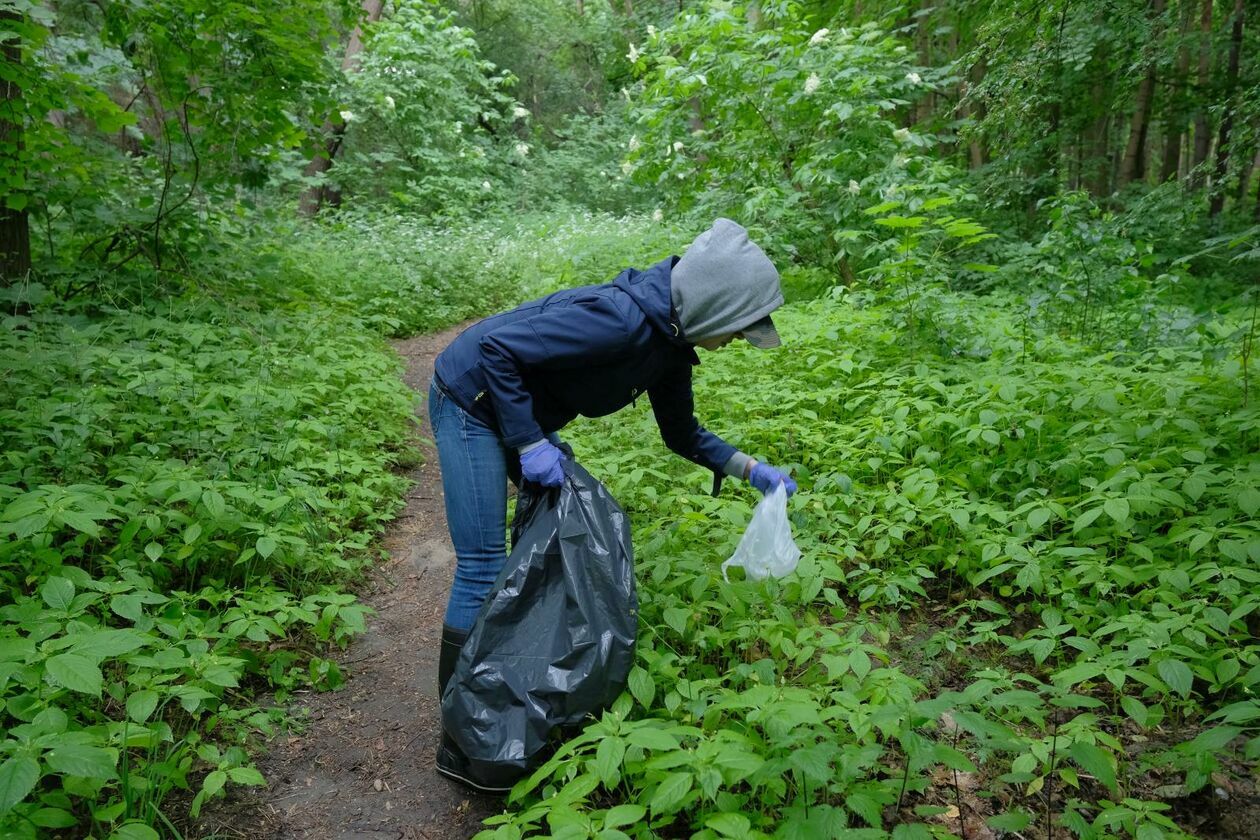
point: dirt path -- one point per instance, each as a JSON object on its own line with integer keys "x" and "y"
{"x": 364, "y": 767}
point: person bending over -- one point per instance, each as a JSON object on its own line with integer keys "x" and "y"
{"x": 507, "y": 384}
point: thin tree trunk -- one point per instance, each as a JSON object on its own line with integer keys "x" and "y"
{"x": 1217, "y": 202}
{"x": 923, "y": 46}
{"x": 15, "y": 226}
{"x": 976, "y": 151}
{"x": 1202, "y": 140}
{"x": 1244, "y": 179}
{"x": 314, "y": 197}
{"x": 1175, "y": 127}
{"x": 1133, "y": 165}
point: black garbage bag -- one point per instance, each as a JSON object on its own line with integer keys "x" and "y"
{"x": 554, "y": 643}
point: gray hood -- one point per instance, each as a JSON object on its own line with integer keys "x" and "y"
{"x": 723, "y": 283}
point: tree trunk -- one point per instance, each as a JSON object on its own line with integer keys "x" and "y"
{"x": 1201, "y": 138}
{"x": 314, "y": 197}
{"x": 1133, "y": 165}
{"x": 1175, "y": 127}
{"x": 15, "y": 228}
{"x": 581, "y": 6}
{"x": 1217, "y": 202}
{"x": 1244, "y": 178}
{"x": 977, "y": 154}
{"x": 923, "y": 46}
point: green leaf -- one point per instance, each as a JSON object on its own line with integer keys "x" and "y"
{"x": 53, "y": 818}
{"x": 1094, "y": 761}
{"x": 1010, "y": 821}
{"x": 265, "y": 546}
{"x": 57, "y": 593}
{"x": 652, "y": 739}
{"x": 1177, "y": 674}
{"x": 624, "y": 815}
{"x": 102, "y": 644}
{"x": 82, "y": 760}
{"x": 729, "y": 825}
{"x": 141, "y": 705}
{"x": 1134, "y": 708}
{"x": 642, "y": 686}
{"x": 669, "y": 793}
{"x": 1249, "y": 501}
{"x": 153, "y": 551}
{"x": 608, "y": 757}
{"x": 247, "y": 776}
{"x": 901, "y": 221}
{"x": 214, "y": 782}
{"x": 1038, "y": 517}
{"x": 134, "y": 831}
{"x": 75, "y": 672}
{"x": 1117, "y": 509}
{"x": 18, "y": 776}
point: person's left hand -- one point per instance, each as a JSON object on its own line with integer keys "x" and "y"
{"x": 765, "y": 478}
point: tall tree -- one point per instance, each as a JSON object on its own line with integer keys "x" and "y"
{"x": 1217, "y": 202}
{"x": 1133, "y": 165}
{"x": 314, "y": 196}
{"x": 15, "y": 236}
{"x": 1201, "y": 135}
{"x": 1175, "y": 121}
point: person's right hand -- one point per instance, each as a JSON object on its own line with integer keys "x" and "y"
{"x": 542, "y": 465}
{"x": 765, "y": 478}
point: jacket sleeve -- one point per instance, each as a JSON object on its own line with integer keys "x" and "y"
{"x": 579, "y": 333}
{"x": 674, "y": 406}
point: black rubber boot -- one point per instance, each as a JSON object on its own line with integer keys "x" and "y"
{"x": 451, "y": 761}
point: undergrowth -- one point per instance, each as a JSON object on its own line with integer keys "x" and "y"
{"x": 1027, "y": 596}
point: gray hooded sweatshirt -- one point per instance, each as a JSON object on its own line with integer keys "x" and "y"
{"x": 723, "y": 283}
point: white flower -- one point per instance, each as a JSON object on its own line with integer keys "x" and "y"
{"x": 485, "y": 185}
{"x": 389, "y": 102}
{"x": 914, "y": 78}
{"x": 347, "y": 116}
{"x": 657, "y": 215}
{"x": 519, "y": 113}
{"x": 901, "y": 135}
{"x": 900, "y": 160}
{"x": 634, "y": 143}
{"x": 521, "y": 149}
{"x": 812, "y": 83}
{"x": 854, "y": 187}
{"x": 626, "y": 168}
{"x": 678, "y": 146}
{"x": 651, "y": 30}
{"x": 626, "y": 94}
{"x": 819, "y": 36}
{"x": 633, "y": 55}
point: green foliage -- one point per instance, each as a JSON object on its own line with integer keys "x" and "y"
{"x": 429, "y": 124}
{"x": 404, "y": 275}
{"x": 1015, "y": 564}
{"x": 790, "y": 129}
{"x": 184, "y": 487}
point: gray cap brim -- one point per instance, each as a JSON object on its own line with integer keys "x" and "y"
{"x": 762, "y": 334}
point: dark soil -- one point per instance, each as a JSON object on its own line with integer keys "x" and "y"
{"x": 362, "y": 767}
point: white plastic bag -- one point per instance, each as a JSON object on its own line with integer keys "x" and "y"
{"x": 767, "y": 547}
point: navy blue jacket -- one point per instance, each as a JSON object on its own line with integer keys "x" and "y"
{"x": 589, "y": 351}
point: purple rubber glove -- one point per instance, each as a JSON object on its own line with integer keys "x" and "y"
{"x": 765, "y": 478}
{"x": 542, "y": 465}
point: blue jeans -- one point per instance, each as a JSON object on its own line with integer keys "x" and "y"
{"x": 475, "y": 471}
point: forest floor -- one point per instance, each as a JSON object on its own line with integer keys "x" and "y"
{"x": 362, "y": 766}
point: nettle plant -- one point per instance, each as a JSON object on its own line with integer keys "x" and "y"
{"x": 179, "y": 496}
{"x": 1026, "y": 593}
{"x": 790, "y": 129}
